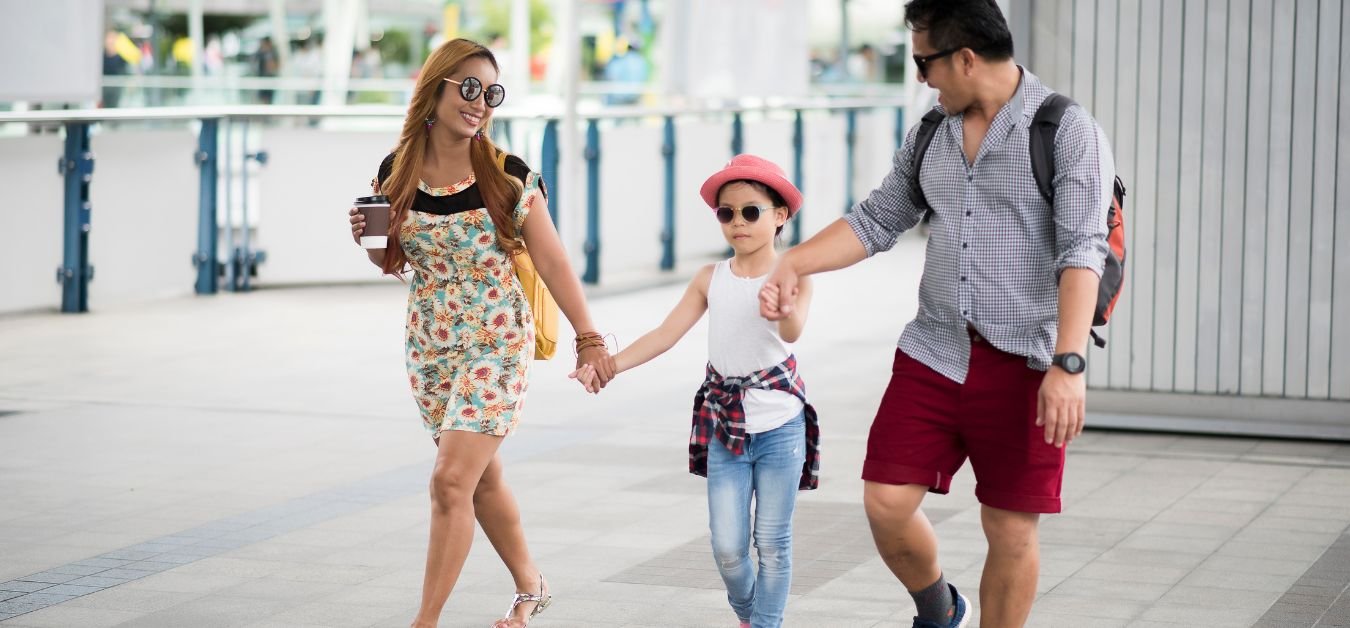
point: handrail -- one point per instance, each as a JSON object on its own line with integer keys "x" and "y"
{"x": 239, "y": 261}
{"x": 314, "y": 84}
{"x": 395, "y": 111}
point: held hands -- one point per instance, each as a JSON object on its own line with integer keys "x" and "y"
{"x": 1061, "y": 406}
{"x": 778, "y": 297}
{"x": 587, "y": 377}
{"x": 593, "y": 362}
{"x": 595, "y": 369}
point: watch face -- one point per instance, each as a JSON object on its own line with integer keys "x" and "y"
{"x": 1074, "y": 363}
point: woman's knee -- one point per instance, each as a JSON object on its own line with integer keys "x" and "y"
{"x": 450, "y": 487}
{"x": 490, "y": 481}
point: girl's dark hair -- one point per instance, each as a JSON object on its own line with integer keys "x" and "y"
{"x": 955, "y": 24}
{"x": 774, "y": 196}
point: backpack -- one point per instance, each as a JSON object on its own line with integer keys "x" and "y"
{"x": 1044, "y": 127}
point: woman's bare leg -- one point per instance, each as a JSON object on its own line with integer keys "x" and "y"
{"x": 461, "y": 459}
{"x": 497, "y": 512}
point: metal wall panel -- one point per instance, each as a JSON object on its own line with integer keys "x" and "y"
{"x": 1230, "y": 124}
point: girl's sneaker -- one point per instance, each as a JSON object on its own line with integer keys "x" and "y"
{"x": 960, "y": 613}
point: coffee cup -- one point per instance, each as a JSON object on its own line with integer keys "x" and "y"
{"x": 375, "y": 213}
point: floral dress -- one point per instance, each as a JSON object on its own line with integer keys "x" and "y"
{"x": 470, "y": 334}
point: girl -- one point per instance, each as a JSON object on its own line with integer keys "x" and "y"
{"x": 457, "y": 217}
{"x": 754, "y": 434}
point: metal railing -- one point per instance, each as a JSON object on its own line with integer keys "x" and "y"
{"x": 234, "y": 269}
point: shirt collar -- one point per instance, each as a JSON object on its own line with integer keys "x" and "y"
{"x": 1028, "y": 97}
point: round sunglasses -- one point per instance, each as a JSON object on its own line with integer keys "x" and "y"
{"x": 750, "y": 213}
{"x": 471, "y": 88}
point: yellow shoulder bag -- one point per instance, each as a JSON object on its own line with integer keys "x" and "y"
{"x": 542, "y": 305}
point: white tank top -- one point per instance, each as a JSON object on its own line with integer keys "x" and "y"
{"x": 741, "y": 342}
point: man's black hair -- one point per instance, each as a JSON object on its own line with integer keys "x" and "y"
{"x": 955, "y": 24}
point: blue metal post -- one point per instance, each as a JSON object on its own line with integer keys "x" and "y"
{"x": 77, "y": 166}
{"x": 245, "y": 254}
{"x": 231, "y": 259}
{"x": 592, "y": 274}
{"x": 737, "y": 135}
{"x": 798, "y": 142}
{"x": 549, "y": 169}
{"x": 737, "y": 147}
{"x": 501, "y": 134}
{"x": 668, "y": 232}
{"x": 247, "y": 259}
{"x": 851, "y": 138}
{"x": 899, "y": 128}
{"x": 208, "y": 266}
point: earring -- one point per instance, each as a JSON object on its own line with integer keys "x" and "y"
{"x": 479, "y": 135}
{"x": 430, "y": 121}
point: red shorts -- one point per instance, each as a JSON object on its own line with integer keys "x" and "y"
{"x": 928, "y": 425}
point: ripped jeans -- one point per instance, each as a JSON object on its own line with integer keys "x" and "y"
{"x": 769, "y": 470}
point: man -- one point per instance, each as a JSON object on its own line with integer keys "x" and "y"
{"x": 991, "y": 367}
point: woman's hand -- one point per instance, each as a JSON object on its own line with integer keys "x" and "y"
{"x": 599, "y": 359}
{"x": 358, "y": 224}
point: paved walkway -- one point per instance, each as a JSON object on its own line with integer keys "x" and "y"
{"x": 255, "y": 460}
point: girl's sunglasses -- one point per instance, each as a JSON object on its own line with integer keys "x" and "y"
{"x": 470, "y": 88}
{"x": 750, "y": 213}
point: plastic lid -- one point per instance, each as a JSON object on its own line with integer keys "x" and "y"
{"x": 378, "y": 199}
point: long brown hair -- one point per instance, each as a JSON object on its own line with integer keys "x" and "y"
{"x": 501, "y": 192}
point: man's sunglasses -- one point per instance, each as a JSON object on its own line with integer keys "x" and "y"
{"x": 470, "y": 88}
{"x": 750, "y": 213}
{"x": 922, "y": 62}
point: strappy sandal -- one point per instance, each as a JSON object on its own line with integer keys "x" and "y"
{"x": 542, "y": 600}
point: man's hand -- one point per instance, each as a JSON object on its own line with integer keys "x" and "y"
{"x": 1061, "y": 406}
{"x": 778, "y": 297}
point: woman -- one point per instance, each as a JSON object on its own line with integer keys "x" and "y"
{"x": 457, "y": 218}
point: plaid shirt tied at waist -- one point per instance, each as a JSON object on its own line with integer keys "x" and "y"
{"x": 719, "y": 411}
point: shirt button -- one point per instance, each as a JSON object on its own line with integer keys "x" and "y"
{"x": 963, "y": 278}
{"x": 965, "y": 312}
{"x": 967, "y": 213}
{"x": 965, "y": 245}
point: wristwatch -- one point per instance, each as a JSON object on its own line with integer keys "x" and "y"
{"x": 1072, "y": 363}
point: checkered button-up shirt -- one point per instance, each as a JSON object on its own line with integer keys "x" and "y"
{"x": 996, "y": 248}
{"x": 719, "y": 412}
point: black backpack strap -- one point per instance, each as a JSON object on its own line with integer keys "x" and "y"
{"x": 927, "y": 129}
{"x": 1044, "y": 129}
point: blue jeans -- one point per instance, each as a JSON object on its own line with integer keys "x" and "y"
{"x": 770, "y": 470}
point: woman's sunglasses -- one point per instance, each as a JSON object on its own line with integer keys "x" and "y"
{"x": 470, "y": 88}
{"x": 922, "y": 62}
{"x": 750, "y": 213}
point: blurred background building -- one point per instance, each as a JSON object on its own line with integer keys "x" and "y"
{"x": 234, "y": 133}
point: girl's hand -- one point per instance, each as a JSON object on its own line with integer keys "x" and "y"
{"x": 778, "y": 297}
{"x": 588, "y": 378}
{"x": 358, "y": 224}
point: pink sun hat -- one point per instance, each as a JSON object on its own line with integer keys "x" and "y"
{"x": 752, "y": 168}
